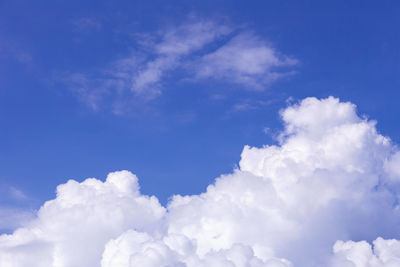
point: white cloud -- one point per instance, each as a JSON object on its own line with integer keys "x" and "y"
{"x": 89, "y": 91}
{"x": 199, "y": 49}
{"x": 170, "y": 51}
{"x": 15, "y": 208}
{"x": 246, "y": 59}
{"x": 249, "y": 104}
{"x": 392, "y": 167}
{"x": 17, "y": 194}
{"x": 12, "y": 217}
{"x": 330, "y": 178}
{"x": 72, "y": 229}
{"x": 86, "y": 24}
{"x": 140, "y": 249}
{"x": 385, "y": 253}
{"x": 10, "y": 49}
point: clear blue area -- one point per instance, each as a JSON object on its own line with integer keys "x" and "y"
{"x": 348, "y": 49}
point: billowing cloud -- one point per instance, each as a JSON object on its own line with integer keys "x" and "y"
{"x": 72, "y": 229}
{"x": 331, "y": 177}
{"x": 385, "y": 253}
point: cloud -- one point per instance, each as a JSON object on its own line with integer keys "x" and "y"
{"x": 249, "y": 104}
{"x": 17, "y": 194}
{"x": 140, "y": 75}
{"x": 12, "y": 217}
{"x": 169, "y": 49}
{"x": 385, "y": 253}
{"x": 139, "y": 249}
{"x": 247, "y": 60}
{"x": 15, "y": 207}
{"x": 237, "y": 53}
{"x": 12, "y": 193}
{"x": 89, "y": 91}
{"x": 72, "y": 229}
{"x": 196, "y": 50}
{"x": 10, "y": 49}
{"x": 330, "y": 177}
{"x": 86, "y": 24}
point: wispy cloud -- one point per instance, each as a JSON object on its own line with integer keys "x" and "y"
{"x": 111, "y": 83}
{"x": 86, "y": 24}
{"x": 15, "y": 51}
{"x": 85, "y": 88}
{"x": 171, "y": 51}
{"x": 14, "y": 217}
{"x": 197, "y": 50}
{"x": 11, "y": 193}
{"x": 250, "y": 104}
{"x": 15, "y": 207}
{"x": 17, "y": 194}
{"x": 243, "y": 106}
{"x": 247, "y": 60}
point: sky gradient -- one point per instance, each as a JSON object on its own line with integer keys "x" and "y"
{"x": 173, "y": 91}
{"x": 348, "y": 50}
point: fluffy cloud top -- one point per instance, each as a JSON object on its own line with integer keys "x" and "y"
{"x": 72, "y": 229}
{"x": 331, "y": 177}
{"x": 386, "y": 253}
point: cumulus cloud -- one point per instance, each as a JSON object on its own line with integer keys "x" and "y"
{"x": 332, "y": 176}
{"x": 72, "y": 229}
{"x": 385, "y": 253}
{"x": 139, "y": 249}
{"x": 196, "y": 50}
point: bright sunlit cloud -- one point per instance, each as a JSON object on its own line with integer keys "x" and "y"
{"x": 332, "y": 177}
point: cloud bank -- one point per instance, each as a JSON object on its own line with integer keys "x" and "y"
{"x": 331, "y": 177}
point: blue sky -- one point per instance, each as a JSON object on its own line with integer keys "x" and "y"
{"x": 72, "y": 104}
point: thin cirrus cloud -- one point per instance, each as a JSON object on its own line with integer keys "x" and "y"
{"x": 13, "y": 217}
{"x": 14, "y": 211}
{"x": 86, "y": 24}
{"x": 331, "y": 179}
{"x": 198, "y": 50}
{"x": 171, "y": 51}
{"x": 247, "y": 60}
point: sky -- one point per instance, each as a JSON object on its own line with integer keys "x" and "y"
{"x": 182, "y": 92}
